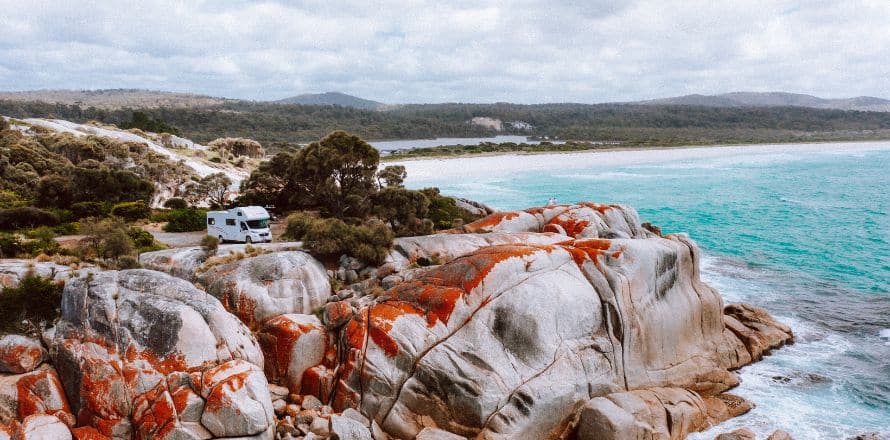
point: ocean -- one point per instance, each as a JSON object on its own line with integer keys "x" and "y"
{"x": 801, "y": 230}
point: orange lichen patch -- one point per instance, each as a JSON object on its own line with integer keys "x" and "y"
{"x": 593, "y": 248}
{"x": 88, "y": 433}
{"x": 166, "y": 365}
{"x": 22, "y": 358}
{"x": 491, "y": 221}
{"x": 221, "y": 394}
{"x": 570, "y": 226}
{"x": 318, "y": 381}
{"x": 382, "y": 317}
{"x": 41, "y": 392}
{"x": 602, "y": 209}
{"x": 277, "y": 340}
{"x": 244, "y": 308}
{"x": 154, "y": 413}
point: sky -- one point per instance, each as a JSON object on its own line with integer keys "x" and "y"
{"x": 450, "y": 51}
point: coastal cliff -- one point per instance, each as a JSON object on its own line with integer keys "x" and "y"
{"x": 571, "y": 321}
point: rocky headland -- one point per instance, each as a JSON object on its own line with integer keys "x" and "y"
{"x": 573, "y": 321}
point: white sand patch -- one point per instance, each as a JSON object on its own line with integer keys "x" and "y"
{"x": 420, "y": 170}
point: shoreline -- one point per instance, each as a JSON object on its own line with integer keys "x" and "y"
{"x": 389, "y": 159}
{"x": 501, "y": 163}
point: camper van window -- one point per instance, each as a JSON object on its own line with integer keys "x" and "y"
{"x": 243, "y": 226}
{"x": 239, "y": 213}
{"x": 230, "y": 222}
{"x": 258, "y": 224}
{"x": 211, "y": 221}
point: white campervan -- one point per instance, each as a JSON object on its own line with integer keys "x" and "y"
{"x": 249, "y": 224}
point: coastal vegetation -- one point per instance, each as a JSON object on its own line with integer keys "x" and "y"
{"x": 281, "y": 126}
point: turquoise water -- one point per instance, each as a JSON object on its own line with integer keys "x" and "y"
{"x": 805, "y": 234}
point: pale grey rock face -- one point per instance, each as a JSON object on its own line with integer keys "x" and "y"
{"x": 184, "y": 262}
{"x": 143, "y": 353}
{"x": 268, "y": 285}
{"x": 20, "y": 354}
{"x": 345, "y": 428}
{"x": 582, "y": 220}
{"x": 43, "y": 427}
{"x": 506, "y": 341}
{"x": 13, "y": 270}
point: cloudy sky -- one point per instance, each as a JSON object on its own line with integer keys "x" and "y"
{"x": 435, "y": 51}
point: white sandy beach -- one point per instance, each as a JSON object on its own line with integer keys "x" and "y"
{"x": 505, "y": 164}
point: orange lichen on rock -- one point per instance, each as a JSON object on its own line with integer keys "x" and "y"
{"x": 592, "y": 249}
{"x": 88, "y": 433}
{"x": 491, "y": 221}
{"x": 318, "y": 381}
{"x": 567, "y": 226}
{"x": 277, "y": 340}
{"x": 154, "y": 413}
{"x": 602, "y": 209}
{"x": 41, "y": 392}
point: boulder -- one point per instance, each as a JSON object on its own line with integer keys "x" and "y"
{"x": 43, "y": 427}
{"x": 738, "y": 434}
{"x": 437, "y": 434}
{"x": 141, "y": 353}
{"x": 504, "y": 340}
{"x": 581, "y": 220}
{"x": 292, "y": 344}
{"x": 184, "y": 262}
{"x": 13, "y": 270}
{"x": 20, "y": 354}
{"x": 345, "y": 428}
{"x": 269, "y": 285}
{"x": 780, "y": 435}
{"x": 657, "y": 413}
{"x": 38, "y": 392}
{"x": 756, "y": 329}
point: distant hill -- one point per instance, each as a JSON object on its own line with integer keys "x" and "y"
{"x": 112, "y": 99}
{"x": 332, "y": 98}
{"x": 776, "y": 99}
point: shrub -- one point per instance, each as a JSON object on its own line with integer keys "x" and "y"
{"x": 186, "y": 220}
{"x": 332, "y": 237}
{"x": 3, "y": 124}
{"x": 176, "y": 203}
{"x": 142, "y": 239}
{"x": 235, "y": 147}
{"x": 45, "y": 240}
{"x": 297, "y": 225}
{"x": 81, "y": 210}
{"x": 209, "y": 244}
{"x": 9, "y": 199}
{"x": 117, "y": 244}
{"x": 27, "y": 217}
{"x": 404, "y": 210}
{"x": 131, "y": 211}
{"x": 10, "y": 245}
{"x": 35, "y": 300}
{"x": 107, "y": 238}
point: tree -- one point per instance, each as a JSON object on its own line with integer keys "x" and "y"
{"x": 404, "y": 210}
{"x": 391, "y": 176}
{"x": 235, "y": 147}
{"x": 212, "y": 189}
{"x": 335, "y": 174}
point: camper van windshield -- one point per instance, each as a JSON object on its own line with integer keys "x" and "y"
{"x": 258, "y": 224}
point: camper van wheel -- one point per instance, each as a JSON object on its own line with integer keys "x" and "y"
{"x": 221, "y": 240}
{"x": 248, "y": 240}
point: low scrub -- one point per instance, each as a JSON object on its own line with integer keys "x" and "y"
{"x": 33, "y": 304}
{"x": 331, "y": 237}
{"x": 26, "y": 217}
{"x": 131, "y": 211}
{"x": 186, "y": 220}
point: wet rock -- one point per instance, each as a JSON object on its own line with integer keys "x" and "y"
{"x": 756, "y": 329}
{"x": 20, "y": 354}
{"x": 291, "y": 344}
{"x": 780, "y": 435}
{"x": 738, "y": 434}
{"x": 268, "y": 285}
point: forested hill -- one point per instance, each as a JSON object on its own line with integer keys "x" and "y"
{"x": 273, "y": 124}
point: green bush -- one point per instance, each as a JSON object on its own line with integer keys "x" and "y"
{"x": 10, "y": 245}
{"x": 35, "y": 300}
{"x": 186, "y": 220}
{"x": 142, "y": 239}
{"x": 331, "y": 237}
{"x": 296, "y": 226}
{"x": 131, "y": 211}
{"x": 176, "y": 203}
{"x": 209, "y": 245}
{"x": 27, "y": 217}
{"x": 81, "y": 210}
{"x": 44, "y": 240}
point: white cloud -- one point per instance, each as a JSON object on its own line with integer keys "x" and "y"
{"x": 471, "y": 51}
